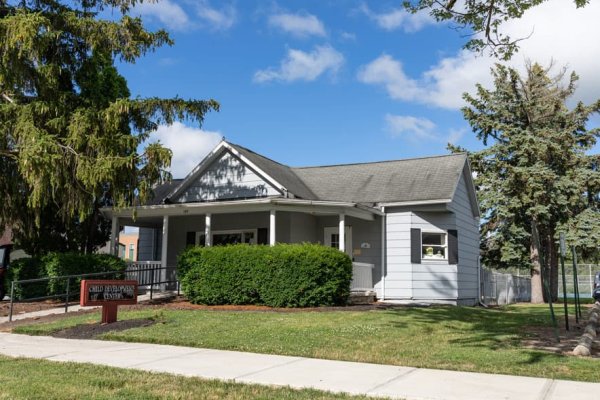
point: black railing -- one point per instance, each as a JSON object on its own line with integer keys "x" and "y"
{"x": 149, "y": 278}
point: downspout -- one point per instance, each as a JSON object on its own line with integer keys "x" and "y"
{"x": 479, "y": 301}
{"x": 383, "y": 247}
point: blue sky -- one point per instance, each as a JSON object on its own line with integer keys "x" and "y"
{"x": 327, "y": 82}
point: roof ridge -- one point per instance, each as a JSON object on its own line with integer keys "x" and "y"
{"x": 380, "y": 162}
{"x": 260, "y": 155}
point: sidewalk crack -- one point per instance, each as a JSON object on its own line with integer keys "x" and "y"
{"x": 547, "y": 389}
{"x": 268, "y": 368}
{"x": 397, "y": 377}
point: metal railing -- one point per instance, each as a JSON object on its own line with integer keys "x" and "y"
{"x": 151, "y": 277}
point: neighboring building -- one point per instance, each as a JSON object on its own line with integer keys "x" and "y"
{"x": 410, "y": 226}
{"x": 128, "y": 246}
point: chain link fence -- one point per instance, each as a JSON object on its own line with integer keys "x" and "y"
{"x": 500, "y": 288}
{"x": 585, "y": 278}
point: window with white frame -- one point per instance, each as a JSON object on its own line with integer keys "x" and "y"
{"x": 434, "y": 245}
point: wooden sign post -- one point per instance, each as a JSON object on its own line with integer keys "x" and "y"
{"x": 109, "y": 294}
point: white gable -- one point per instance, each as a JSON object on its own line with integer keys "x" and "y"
{"x": 226, "y": 178}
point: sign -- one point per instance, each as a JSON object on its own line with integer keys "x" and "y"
{"x": 109, "y": 294}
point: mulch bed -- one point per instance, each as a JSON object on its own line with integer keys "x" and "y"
{"x": 91, "y": 331}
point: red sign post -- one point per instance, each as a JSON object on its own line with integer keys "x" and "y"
{"x": 109, "y": 294}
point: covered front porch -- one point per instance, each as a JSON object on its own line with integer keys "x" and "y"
{"x": 166, "y": 230}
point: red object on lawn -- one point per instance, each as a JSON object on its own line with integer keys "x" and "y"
{"x": 109, "y": 294}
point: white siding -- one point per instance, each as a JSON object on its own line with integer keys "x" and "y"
{"x": 398, "y": 276}
{"x": 226, "y": 178}
{"x": 468, "y": 243}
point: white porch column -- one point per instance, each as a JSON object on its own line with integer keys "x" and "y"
{"x": 165, "y": 241}
{"x": 342, "y": 230}
{"x": 114, "y": 237}
{"x": 272, "y": 221}
{"x": 207, "y": 230}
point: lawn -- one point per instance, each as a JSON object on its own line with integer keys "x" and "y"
{"x": 39, "y": 379}
{"x": 457, "y": 338}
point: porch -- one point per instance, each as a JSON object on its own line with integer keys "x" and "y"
{"x": 166, "y": 230}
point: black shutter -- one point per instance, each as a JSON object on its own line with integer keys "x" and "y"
{"x": 452, "y": 246}
{"x": 415, "y": 246}
{"x": 190, "y": 239}
{"x": 262, "y": 236}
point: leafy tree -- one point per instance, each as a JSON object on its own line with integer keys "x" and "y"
{"x": 69, "y": 131}
{"x": 535, "y": 173}
{"x": 483, "y": 18}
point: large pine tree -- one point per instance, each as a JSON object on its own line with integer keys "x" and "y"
{"x": 70, "y": 133}
{"x": 535, "y": 173}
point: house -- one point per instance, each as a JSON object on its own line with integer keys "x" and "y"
{"x": 411, "y": 226}
{"x": 128, "y": 246}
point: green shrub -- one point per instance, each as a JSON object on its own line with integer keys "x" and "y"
{"x": 285, "y": 275}
{"x": 22, "y": 269}
{"x": 59, "y": 264}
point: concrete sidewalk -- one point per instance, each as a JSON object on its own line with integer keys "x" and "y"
{"x": 298, "y": 372}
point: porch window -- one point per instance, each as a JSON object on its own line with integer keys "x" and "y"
{"x": 434, "y": 246}
{"x": 222, "y": 238}
{"x": 335, "y": 240}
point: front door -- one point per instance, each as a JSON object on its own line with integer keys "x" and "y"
{"x": 332, "y": 238}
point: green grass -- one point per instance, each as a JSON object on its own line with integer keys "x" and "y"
{"x": 457, "y": 338}
{"x": 39, "y": 379}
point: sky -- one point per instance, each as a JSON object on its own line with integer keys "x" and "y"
{"x": 322, "y": 82}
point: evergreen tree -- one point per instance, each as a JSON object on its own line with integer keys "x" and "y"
{"x": 69, "y": 131}
{"x": 535, "y": 173}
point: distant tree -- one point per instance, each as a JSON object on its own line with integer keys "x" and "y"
{"x": 71, "y": 138}
{"x": 483, "y": 18}
{"x": 535, "y": 173}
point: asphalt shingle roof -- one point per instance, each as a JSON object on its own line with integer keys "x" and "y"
{"x": 410, "y": 180}
{"x": 418, "y": 179}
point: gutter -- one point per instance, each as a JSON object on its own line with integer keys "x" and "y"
{"x": 415, "y": 203}
{"x": 383, "y": 248}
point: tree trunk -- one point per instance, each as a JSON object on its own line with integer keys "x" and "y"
{"x": 537, "y": 290}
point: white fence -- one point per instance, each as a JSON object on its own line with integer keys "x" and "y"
{"x": 500, "y": 289}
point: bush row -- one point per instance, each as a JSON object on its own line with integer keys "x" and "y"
{"x": 59, "y": 264}
{"x": 285, "y": 275}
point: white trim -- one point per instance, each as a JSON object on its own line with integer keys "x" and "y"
{"x": 328, "y": 230}
{"x": 414, "y": 203}
{"x": 250, "y": 205}
{"x": 213, "y": 155}
{"x": 165, "y": 246}
{"x": 445, "y": 246}
{"x": 383, "y": 255}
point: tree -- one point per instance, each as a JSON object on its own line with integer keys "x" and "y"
{"x": 69, "y": 131}
{"x": 483, "y": 18}
{"x": 535, "y": 174}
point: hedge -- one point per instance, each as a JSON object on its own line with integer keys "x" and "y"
{"x": 59, "y": 264}
{"x": 284, "y": 275}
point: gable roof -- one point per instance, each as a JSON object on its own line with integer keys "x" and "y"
{"x": 417, "y": 179}
{"x": 425, "y": 179}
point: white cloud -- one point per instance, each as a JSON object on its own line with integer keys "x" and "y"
{"x": 561, "y": 33}
{"x": 189, "y": 145}
{"x": 216, "y": 19}
{"x": 349, "y": 36}
{"x": 300, "y": 65}
{"x": 167, "y": 12}
{"x": 300, "y": 25}
{"x": 398, "y": 18}
{"x": 413, "y": 127}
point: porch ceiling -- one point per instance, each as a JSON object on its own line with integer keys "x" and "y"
{"x": 153, "y": 214}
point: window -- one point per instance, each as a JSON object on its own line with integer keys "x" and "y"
{"x": 131, "y": 251}
{"x": 434, "y": 246}
{"x": 335, "y": 240}
{"x": 221, "y": 238}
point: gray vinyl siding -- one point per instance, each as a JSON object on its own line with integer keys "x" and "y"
{"x": 433, "y": 279}
{"x": 468, "y": 243}
{"x": 226, "y": 178}
{"x": 398, "y": 277}
{"x": 303, "y": 228}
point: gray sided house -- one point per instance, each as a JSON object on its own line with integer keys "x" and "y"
{"x": 410, "y": 226}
